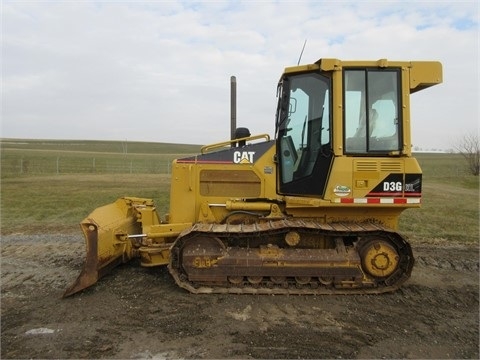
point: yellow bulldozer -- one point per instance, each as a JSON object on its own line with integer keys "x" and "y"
{"x": 312, "y": 211}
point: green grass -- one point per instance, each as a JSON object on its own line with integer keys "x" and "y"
{"x": 40, "y": 204}
{"x": 50, "y": 201}
{"x": 51, "y": 185}
{"x": 450, "y": 202}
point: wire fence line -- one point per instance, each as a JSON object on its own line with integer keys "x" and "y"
{"x": 75, "y": 165}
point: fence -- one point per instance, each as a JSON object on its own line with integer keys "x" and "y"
{"x": 12, "y": 165}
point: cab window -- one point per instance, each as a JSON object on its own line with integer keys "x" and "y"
{"x": 372, "y": 111}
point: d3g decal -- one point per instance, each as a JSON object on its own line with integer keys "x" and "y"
{"x": 397, "y": 185}
{"x": 392, "y": 186}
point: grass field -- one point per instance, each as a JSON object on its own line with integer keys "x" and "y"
{"x": 450, "y": 201}
{"x": 53, "y": 200}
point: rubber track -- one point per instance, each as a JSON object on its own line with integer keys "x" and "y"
{"x": 271, "y": 228}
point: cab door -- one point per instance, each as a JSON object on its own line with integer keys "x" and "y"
{"x": 303, "y": 134}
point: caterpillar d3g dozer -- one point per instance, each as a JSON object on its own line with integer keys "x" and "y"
{"x": 313, "y": 211}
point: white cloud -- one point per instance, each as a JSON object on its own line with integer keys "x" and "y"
{"x": 160, "y": 71}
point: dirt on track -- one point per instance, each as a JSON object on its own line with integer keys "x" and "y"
{"x": 139, "y": 313}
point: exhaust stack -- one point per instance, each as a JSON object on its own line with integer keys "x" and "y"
{"x": 233, "y": 106}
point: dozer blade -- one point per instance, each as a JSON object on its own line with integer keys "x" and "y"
{"x": 106, "y": 232}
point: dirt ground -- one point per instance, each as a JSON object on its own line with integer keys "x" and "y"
{"x": 139, "y": 313}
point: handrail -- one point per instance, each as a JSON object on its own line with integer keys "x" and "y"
{"x": 208, "y": 148}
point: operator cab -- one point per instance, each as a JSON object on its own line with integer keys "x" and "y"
{"x": 370, "y": 121}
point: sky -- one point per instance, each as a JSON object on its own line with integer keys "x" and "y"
{"x": 160, "y": 70}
